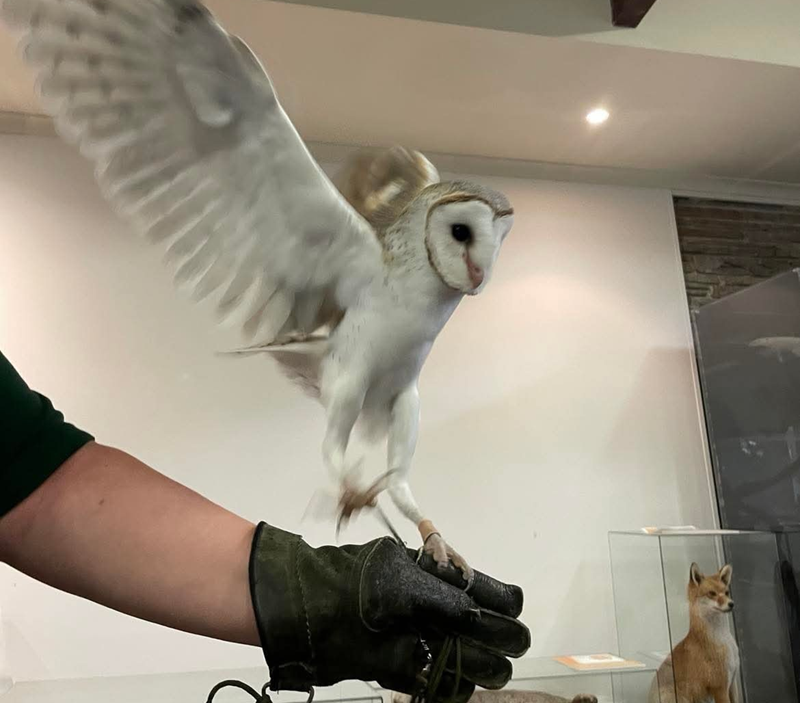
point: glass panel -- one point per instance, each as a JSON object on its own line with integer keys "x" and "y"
{"x": 748, "y": 347}
{"x": 565, "y": 683}
{"x": 190, "y": 687}
{"x": 635, "y": 688}
{"x": 760, "y": 617}
{"x": 549, "y": 676}
{"x": 749, "y": 356}
{"x": 5, "y": 672}
{"x": 679, "y": 552}
{"x": 758, "y": 622}
{"x": 636, "y": 571}
{"x": 643, "y": 627}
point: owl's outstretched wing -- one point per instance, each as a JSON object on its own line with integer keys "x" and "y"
{"x": 190, "y": 142}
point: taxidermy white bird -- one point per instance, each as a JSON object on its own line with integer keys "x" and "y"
{"x": 347, "y": 288}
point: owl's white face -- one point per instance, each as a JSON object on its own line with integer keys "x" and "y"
{"x": 463, "y": 239}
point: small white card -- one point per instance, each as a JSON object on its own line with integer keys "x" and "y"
{"x": 586, "y": 662}
{"x": 597, "y": 659}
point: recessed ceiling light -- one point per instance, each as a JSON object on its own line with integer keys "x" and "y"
{"x": 597, "y": 116}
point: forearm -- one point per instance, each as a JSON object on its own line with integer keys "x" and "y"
{"x": 109, "y": 528}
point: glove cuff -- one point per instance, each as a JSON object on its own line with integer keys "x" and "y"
{"x": 280, "y": 608}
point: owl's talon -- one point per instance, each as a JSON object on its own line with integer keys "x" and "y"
{"x": 461, "y": 564}
{"x": 353, "y": 500}
{"x": 443, "y": 554}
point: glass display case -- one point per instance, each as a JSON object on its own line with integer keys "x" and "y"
{"x": 555, "y": 682}
{"x": 551, "y": 676}
{"x": 188, "y": 687}
{"x": 748, "y": 351}
{"x": 6, "y": 681}
{"x": 651, "y": 575}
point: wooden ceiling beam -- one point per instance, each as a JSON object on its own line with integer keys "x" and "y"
{"x": 629, "y": 13}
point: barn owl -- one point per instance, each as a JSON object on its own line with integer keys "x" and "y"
{"x": 347, "y": 288}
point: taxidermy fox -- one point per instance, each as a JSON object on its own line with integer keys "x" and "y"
{"x": 703, "y": 666}
{"x": 511, "y": 697}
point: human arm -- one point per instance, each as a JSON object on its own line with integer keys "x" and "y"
{"x": 111, "y": 529}
{"x": 107, "y": 527}
{"x": 94, "y": 521}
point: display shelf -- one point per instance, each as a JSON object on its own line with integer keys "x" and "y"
{"x": 185, "y": 687}
{"x": 534, "y": 668}
{"x": 547, "y": 675}
{"x": 537, "y": 668}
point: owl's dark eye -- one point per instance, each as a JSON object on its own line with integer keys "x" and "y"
{"x": 461, "y": 233}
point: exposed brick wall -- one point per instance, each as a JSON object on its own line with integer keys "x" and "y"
{"x": 728, "y": 246}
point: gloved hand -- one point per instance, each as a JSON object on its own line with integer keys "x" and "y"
{"x": 374, "y": 613}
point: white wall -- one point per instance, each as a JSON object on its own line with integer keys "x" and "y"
{"x": 558, "y": 405}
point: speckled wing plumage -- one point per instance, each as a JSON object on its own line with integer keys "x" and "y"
{"x": 190, "y": 143}
{"x": 380, "y": 186}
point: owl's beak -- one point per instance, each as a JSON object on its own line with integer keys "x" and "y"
{"x": 475, "y": 272}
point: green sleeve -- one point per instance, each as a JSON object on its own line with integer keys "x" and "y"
{"x": 34, "y": 438}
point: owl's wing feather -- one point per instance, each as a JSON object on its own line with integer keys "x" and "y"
{"x": 381, "y": 186}
{"x": 190, "y": 142}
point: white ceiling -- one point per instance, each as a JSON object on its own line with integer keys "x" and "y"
{"x": 751, "y": 30}
{"x": 348, "y": 77}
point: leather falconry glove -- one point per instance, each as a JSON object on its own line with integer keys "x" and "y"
{"x": 380, "y": 612}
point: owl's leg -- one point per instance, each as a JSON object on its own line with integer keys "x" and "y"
{"x": 403, "y": 434}
{"x": 343, "y": 411}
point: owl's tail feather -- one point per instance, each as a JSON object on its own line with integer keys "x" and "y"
{"x": 299, "y": 360}
{"x": 294, "y": 345}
